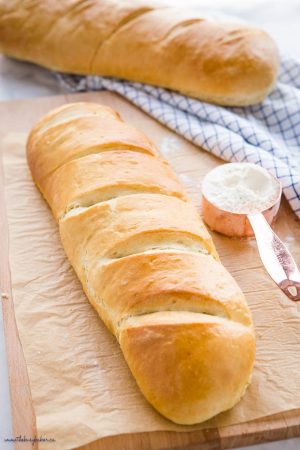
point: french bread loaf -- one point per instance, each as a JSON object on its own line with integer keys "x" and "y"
{"x": 217, "y": 61}
{"x": 145, "y": 260}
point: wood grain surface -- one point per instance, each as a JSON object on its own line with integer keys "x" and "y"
{"x": 19, "y": 116}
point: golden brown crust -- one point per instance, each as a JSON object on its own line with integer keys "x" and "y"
{"x": 81, "y": 135}
{"x": 174, "y": 280}
{"x": 132, "y": 224}
{"x": 146, "y": 261}
{"x": 189, "y": 366}
{"x": 221, "y": 62}
{"x": 103, "y": 176}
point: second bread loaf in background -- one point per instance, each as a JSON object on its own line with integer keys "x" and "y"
{"x": 218, "y": 61}
{"x": 145, "y": 260}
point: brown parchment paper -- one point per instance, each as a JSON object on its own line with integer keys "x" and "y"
{"x": 82, "y": 389}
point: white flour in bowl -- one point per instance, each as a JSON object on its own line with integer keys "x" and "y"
{"x": 240, "y": 188}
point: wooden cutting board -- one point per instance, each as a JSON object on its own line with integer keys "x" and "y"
{"x": 19, "y": 116}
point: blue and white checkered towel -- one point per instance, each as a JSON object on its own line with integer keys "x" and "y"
{"x": 267, "y": 134}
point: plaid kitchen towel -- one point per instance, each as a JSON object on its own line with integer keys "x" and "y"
{"x": 267, "y": 133}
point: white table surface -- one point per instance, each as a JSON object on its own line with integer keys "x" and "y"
{"x": 18, "y": 80}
